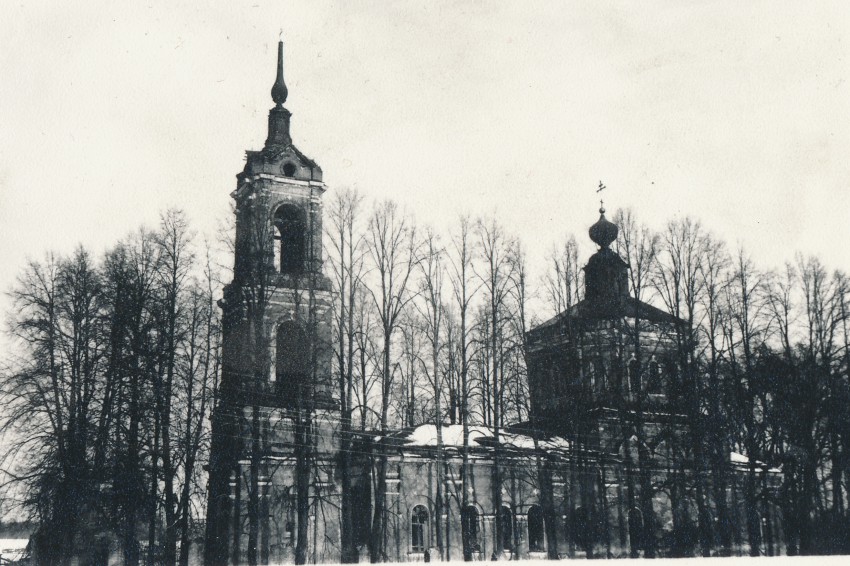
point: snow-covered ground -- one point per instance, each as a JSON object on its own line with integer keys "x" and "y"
{"x": 12, "y": 548}
{"x": 734, "y": 561}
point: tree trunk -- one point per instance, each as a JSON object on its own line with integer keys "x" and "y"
{"x": 751, "y": 502}
{"x": 154, "y": 488}
{"x": 377, "y": 536}
{"x": 303, "y": 467}
{"x": 236, "y": 517}
{"x": 254, "y": 487}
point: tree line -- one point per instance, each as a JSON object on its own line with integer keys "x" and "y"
{"x": 108, "y": 397}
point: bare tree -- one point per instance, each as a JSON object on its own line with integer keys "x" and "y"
{"x": 543, "y": 471}
{"x": 173, "y": 242}
{"x": 463, "y": 293}
{"x": 199, "y": 363}
{"x": 678, "y": 280}
{"x": 393, "y": 250}
{"x": 562, "y": 281}
{"x": 131, "y": 274}
{"x": 812, "y": 428}
{"x": 431, "y": 310}
{"x": 346, "y": 261}
{"x": 496, "y": 275}
{"x": 51, "y": 398}
{"x": 411, "y": 407}
{"x": 796, "y": 396}
{"x": 368, "y": 358}
{"x": 638, "y": 246}
{"x": 715, "y": 269}
{"x": 747, "y": 331}
{"x": 840, "y": 426}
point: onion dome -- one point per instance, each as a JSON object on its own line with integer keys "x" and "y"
{"x": 279, "y": 90}
{"x": 603, "y": 232}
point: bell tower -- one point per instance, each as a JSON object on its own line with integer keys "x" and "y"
{"x": 278, "y": 277}
{"x": 276, "y": 354}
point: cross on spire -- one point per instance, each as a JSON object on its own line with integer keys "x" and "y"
{"x": 601, "y": 203}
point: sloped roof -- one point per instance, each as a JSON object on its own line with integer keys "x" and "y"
{"x": 629, "y": 307}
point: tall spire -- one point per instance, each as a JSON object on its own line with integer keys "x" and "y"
{"x": 279, "y": 90}
{"x": 279, "y": 116}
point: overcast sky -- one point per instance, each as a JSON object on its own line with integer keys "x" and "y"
{"x": 735, "y": 113}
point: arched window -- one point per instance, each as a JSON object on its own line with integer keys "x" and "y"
{"x": 506, "y": 522}
{"x": 583, "y": 531}
{"x": 290, "y": 238}
{"x": 292, "y": 362}
{"x": 535, "y": 529}
{"x": 634, "y": 376}
{"x": 591, "y": 375}
{"x": 654, "y": 382}
{"x": 671, "y": 373}
{"x": 469, "y": 524}
{"x": 289, "y": 525}
{"x": 418, "y": 529}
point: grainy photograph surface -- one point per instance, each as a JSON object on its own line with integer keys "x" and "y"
{"x": 338, "y": 282}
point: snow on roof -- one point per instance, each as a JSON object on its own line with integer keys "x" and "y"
{"x": 426, "y": 435}
{"x": 736, "y": 458}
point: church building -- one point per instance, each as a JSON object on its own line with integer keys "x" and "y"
{"x": 601, "y": 468}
